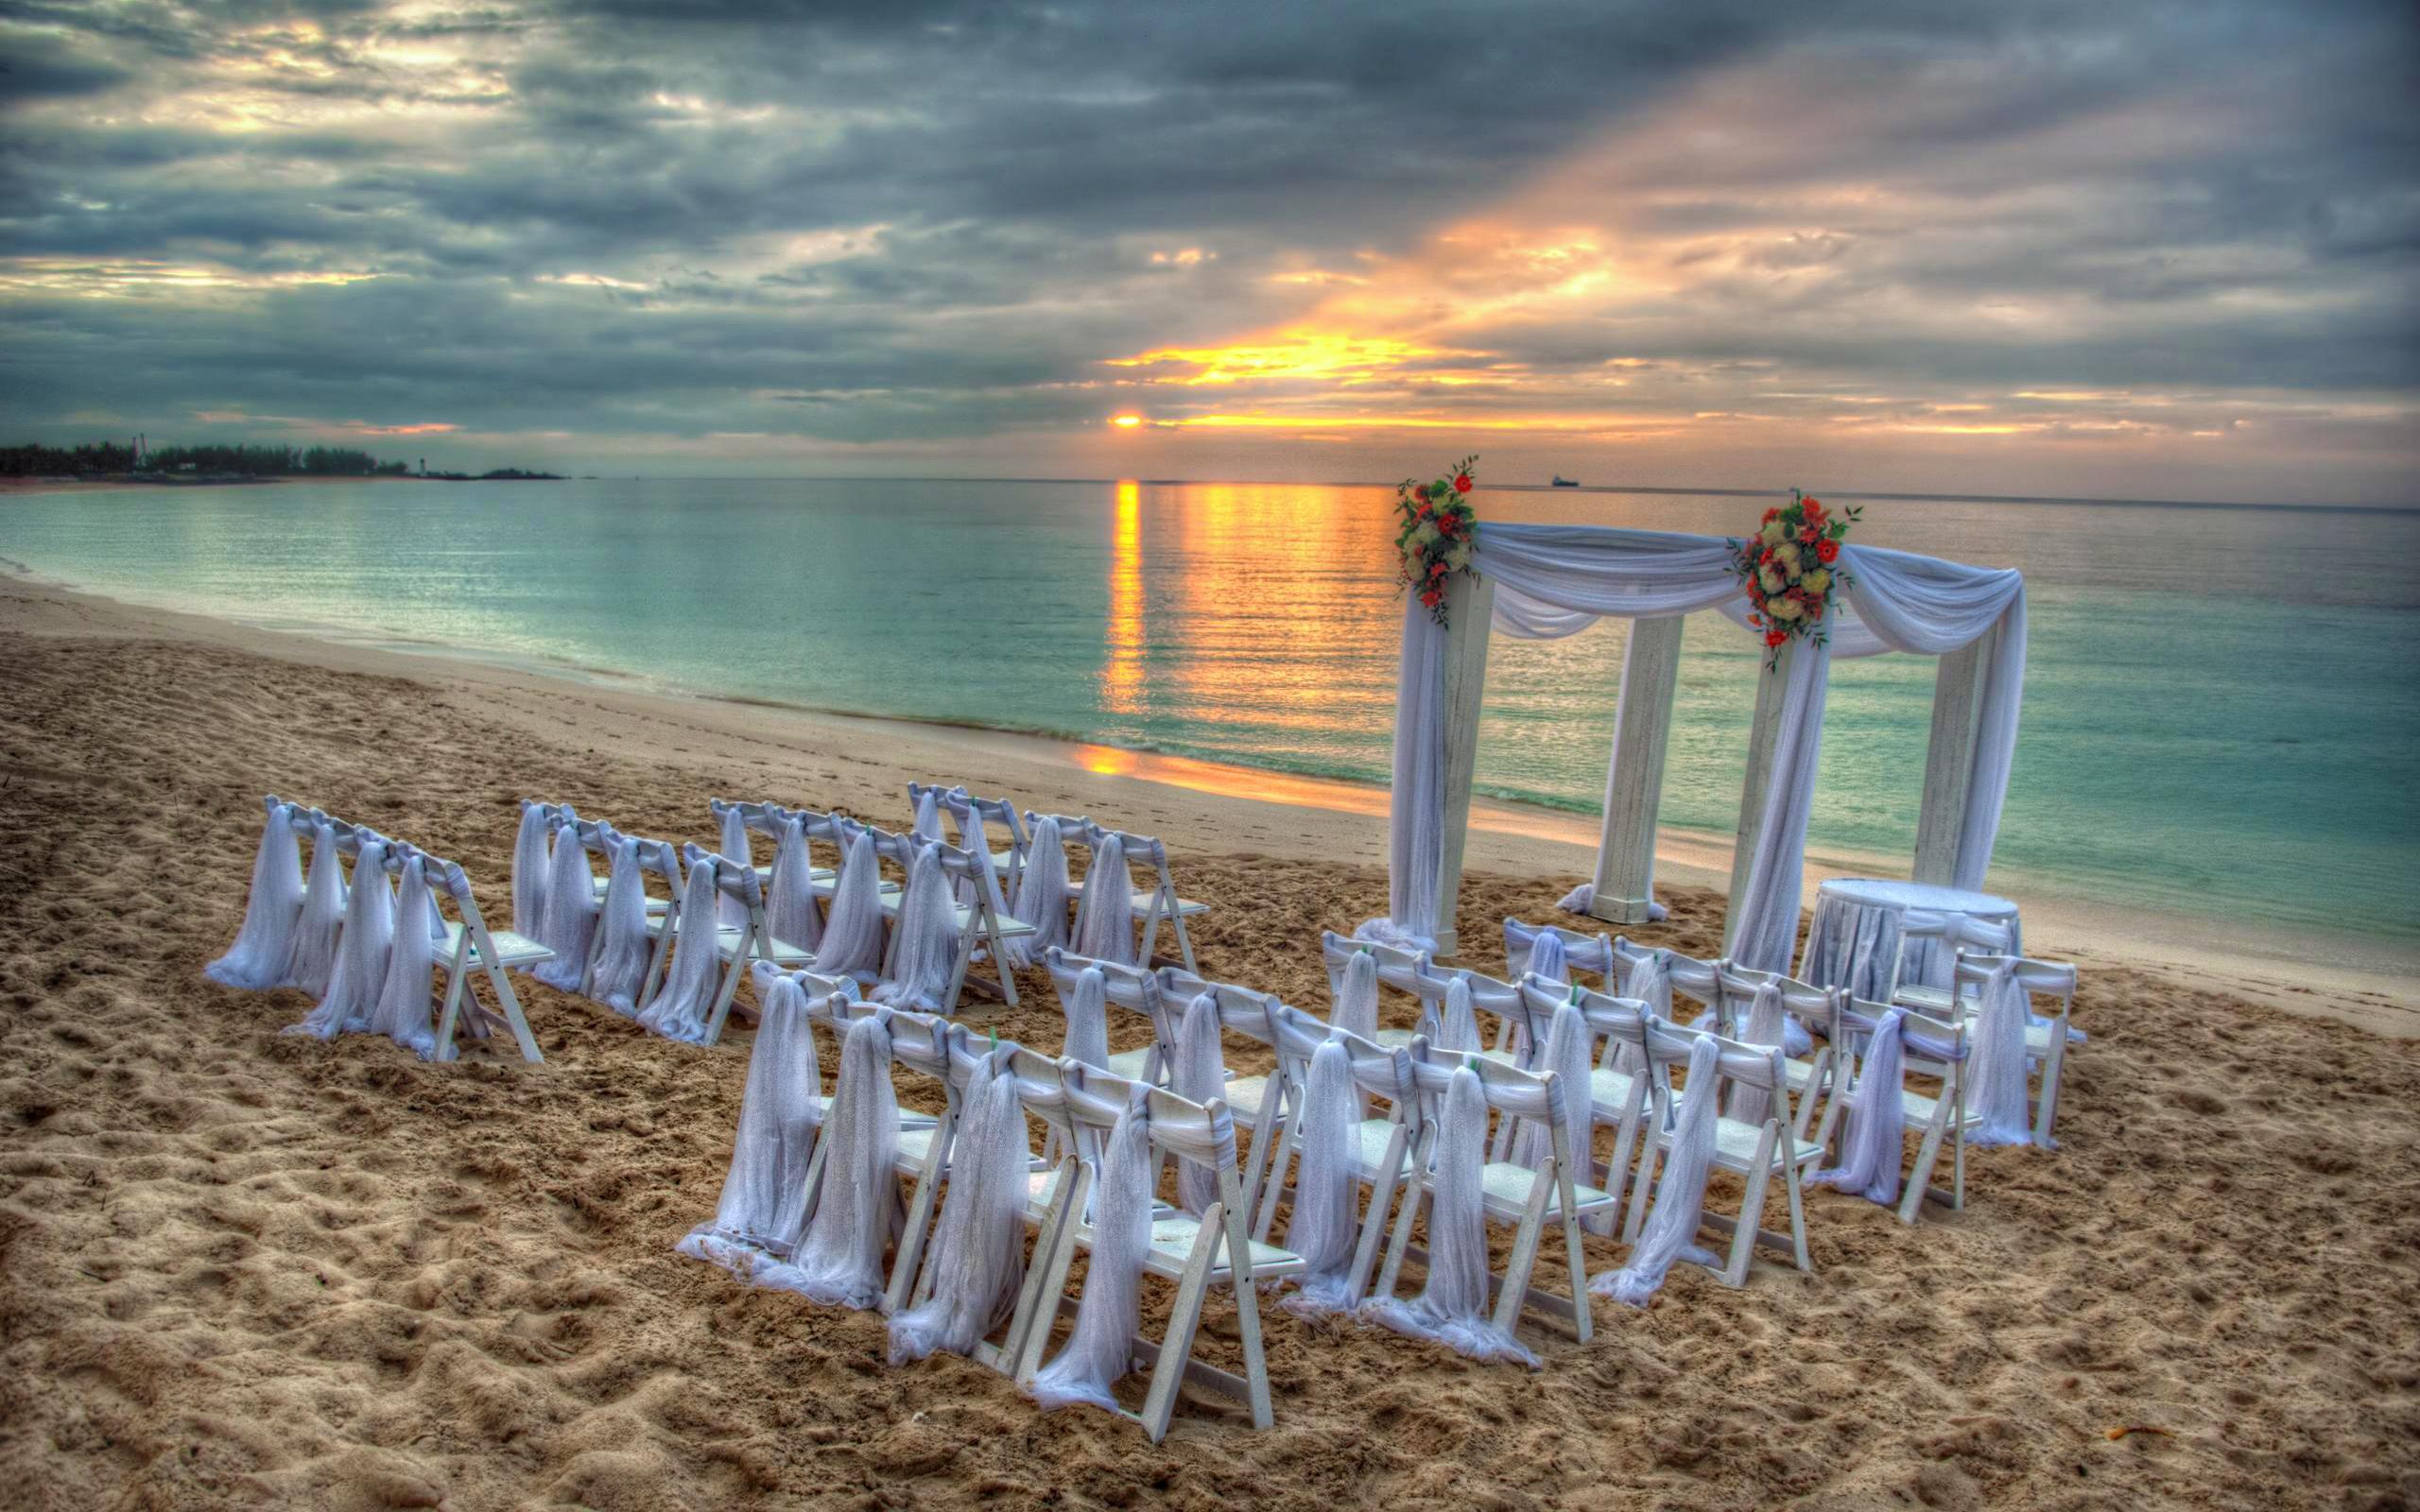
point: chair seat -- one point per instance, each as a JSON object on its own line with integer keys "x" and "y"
{"x": 1918, "y": 1109}
{"x": 1397, "y": 1039}
{"x": 1243, "y": 1095}
{"x": 1798, "y": 1074}
{"x": 1130, "y": 1063}
{"x": 1010, "y": 927}
{"x": 1142, "y": 902}
{"x": 729, "y": 936}
{"x": 510, "y": 949}
{"x": 1172, "y": 1239}
{"x": 1734, "y": 1145}
{"x": 654, "y": 905}
{"x": 1610, "y": 1089}
{"x": 1504, "y": 1192}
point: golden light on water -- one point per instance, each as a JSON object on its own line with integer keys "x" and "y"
{"x": 1121, "y": 676}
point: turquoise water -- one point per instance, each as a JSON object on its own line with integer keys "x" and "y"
{"x": 2194, "y": 741}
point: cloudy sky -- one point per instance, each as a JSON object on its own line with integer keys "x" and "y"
{"x": 2102, "y": 247}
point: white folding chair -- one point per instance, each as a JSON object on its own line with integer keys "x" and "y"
{"x": 1759, "y": 1154}
{"x": 1134, "y": 988}
{"x": 470, "y": 947}
{"x": 1523, "y": 1198}
{"x": 982, "y": 925}
{"x": 1383, "y": 1146}
{"x": 1197, "y": 1253}
{"x": 1152, "y": 906}
{"x": 736, "y": 945}
{"x": 1615, "y": 1096}
{"x": 1928, "y": 1047}
{"x": 2046, "y": 1036}
{"x": 1735, "y": 990}
{"x": 1257, "y": 1101}
{"x": 1497, "y": 999}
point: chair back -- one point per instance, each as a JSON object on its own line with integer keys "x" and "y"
{"x": 1737, "y": 1064}
{"x": 1488, "y": 995}
{"x": 1736, "y": 989}
{"x": 1135, "y": 988}
{"x": 1398, "y": 968}
{"x": 1512, "y": 1095}
{"x": 733, "y": 879}
{"x": 1582, "y": 953}
{"x": 1201, "y": 1132}
{"x": 1241, "y": 1009}
{"x": 1379, "y": 1071}
{"x": 1610, "y": 1020}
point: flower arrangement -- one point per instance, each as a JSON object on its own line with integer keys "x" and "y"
{"x": 1437, "y": 538}
{"x": 1787, "y": 568}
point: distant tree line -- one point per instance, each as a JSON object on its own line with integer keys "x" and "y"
{"x": 253, "y": 461}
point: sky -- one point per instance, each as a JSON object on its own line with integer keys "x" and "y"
{"x": 2101, "y": 249}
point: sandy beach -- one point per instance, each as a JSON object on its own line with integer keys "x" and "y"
{"x": 243, "y": 1269}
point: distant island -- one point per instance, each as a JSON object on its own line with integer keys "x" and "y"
{"x": 138, "y": 462}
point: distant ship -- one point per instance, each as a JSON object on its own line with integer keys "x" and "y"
{"x": 1562, "y": 482}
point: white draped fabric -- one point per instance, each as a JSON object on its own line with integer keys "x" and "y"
{"x": 360, "y": 970}
{"x": 978, "y": 1245}
{"x": 1321, "y": 1230}
{"x": 681, "y": 1009}
{"x": 567, "y": 913}
{"x": 263, "y": 948}
{"x": 1452, "y": 1308}
{"x": 1671, "y": 1230}
{"x": 927, "y": 948}
{"x": 762, "y": 1208}
{"x": 1043, "y": 889}
{"x": 1102, "y": 1345}
{"x": 1557, "y": 580}
{"x": 1200, "y": 1075}
{"x": 529, "y": 859}
{"x": 403, "y": 1013}
{"x": 838, "y": 1259}
{"x": 730, "y": 913}
{"x": 1105, "y": 913}
{"x": 853, "y": 930}
{"x": 789, "y": 900}
{"x": 322, "y": 924}
{"x": 620, "y": 953}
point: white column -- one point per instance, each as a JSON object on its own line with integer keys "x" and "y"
{"x": 1625, "y": 881}
{"x": 1762, "y": 736}
{"x": 1949, "y": 759}
{"x": 1470, "y": 603}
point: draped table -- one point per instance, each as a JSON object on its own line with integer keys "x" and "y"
{"x": 1855, "y": 941}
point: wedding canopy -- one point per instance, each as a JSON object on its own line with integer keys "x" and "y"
{"x": 1540, "y": 582}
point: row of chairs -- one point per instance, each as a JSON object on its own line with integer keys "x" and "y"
{"x": 294, "y": 934}
{"x": 1152, "y": 907}
{"x": 1725, "y": 990}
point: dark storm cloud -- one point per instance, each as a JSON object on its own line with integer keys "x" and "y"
{"x": 935, "y": 219}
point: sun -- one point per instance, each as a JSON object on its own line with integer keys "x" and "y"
{"x": 1126, "y": 422}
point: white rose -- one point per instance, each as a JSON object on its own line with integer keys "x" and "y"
{"x": 1787, "y": 551}
{"x": 1818, "y": 580}
{"x": 1770, "y": 579}
{"x": 1785, "y": 609}
{"x": 1458, "y": 557}
{"x": 1425, "y": 536}
{"x": 1771, "y": 532}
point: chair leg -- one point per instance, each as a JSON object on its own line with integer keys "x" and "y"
{"x": 1912, "y": 1202}
{"x": 1794, "y": 1179}
{"x": 446, "y": 1018}
{"x": 512, "y": 1016}
{"x": 1752, "y": 1211}
{"x": 2053, "y": 1066}
{"x": 1184, "y": 937}
{"x": 1519, "y": 1265}
{"x": 1398, "y": 1242}
{"x": 726, "y": 993}
{"x": 1177, "y": 1347}
{"x": 1374, "y": 1222}
{"x": 1583, "y": 1325}
{"x": 1248, "y": 1319}
{"x": 1641, "y": 1187}
{"x": 1046, "y": 1282}
{"x": 910, "y": 1254}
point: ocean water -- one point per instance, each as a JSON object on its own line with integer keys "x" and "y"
{"x": 2220, "y": 716}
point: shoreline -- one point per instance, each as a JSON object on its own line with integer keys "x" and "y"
{"x": 1199, "y": 805}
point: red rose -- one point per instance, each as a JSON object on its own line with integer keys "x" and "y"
{"x": 1436, "y": 569}
{"x": 1772, "y": 514}
{"x": 1775, "y": 637}
{"x": 1811, "y": 505}
{"x": 1432, "y": 597}
{"x": 1827, "y": 549}
{"x": 1462, "y": 483}
{"x": 1808, "y": 535}
{"x": 1814, "y": 608}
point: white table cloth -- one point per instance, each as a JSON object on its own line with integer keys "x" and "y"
{"x": 1855, "y": 941}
